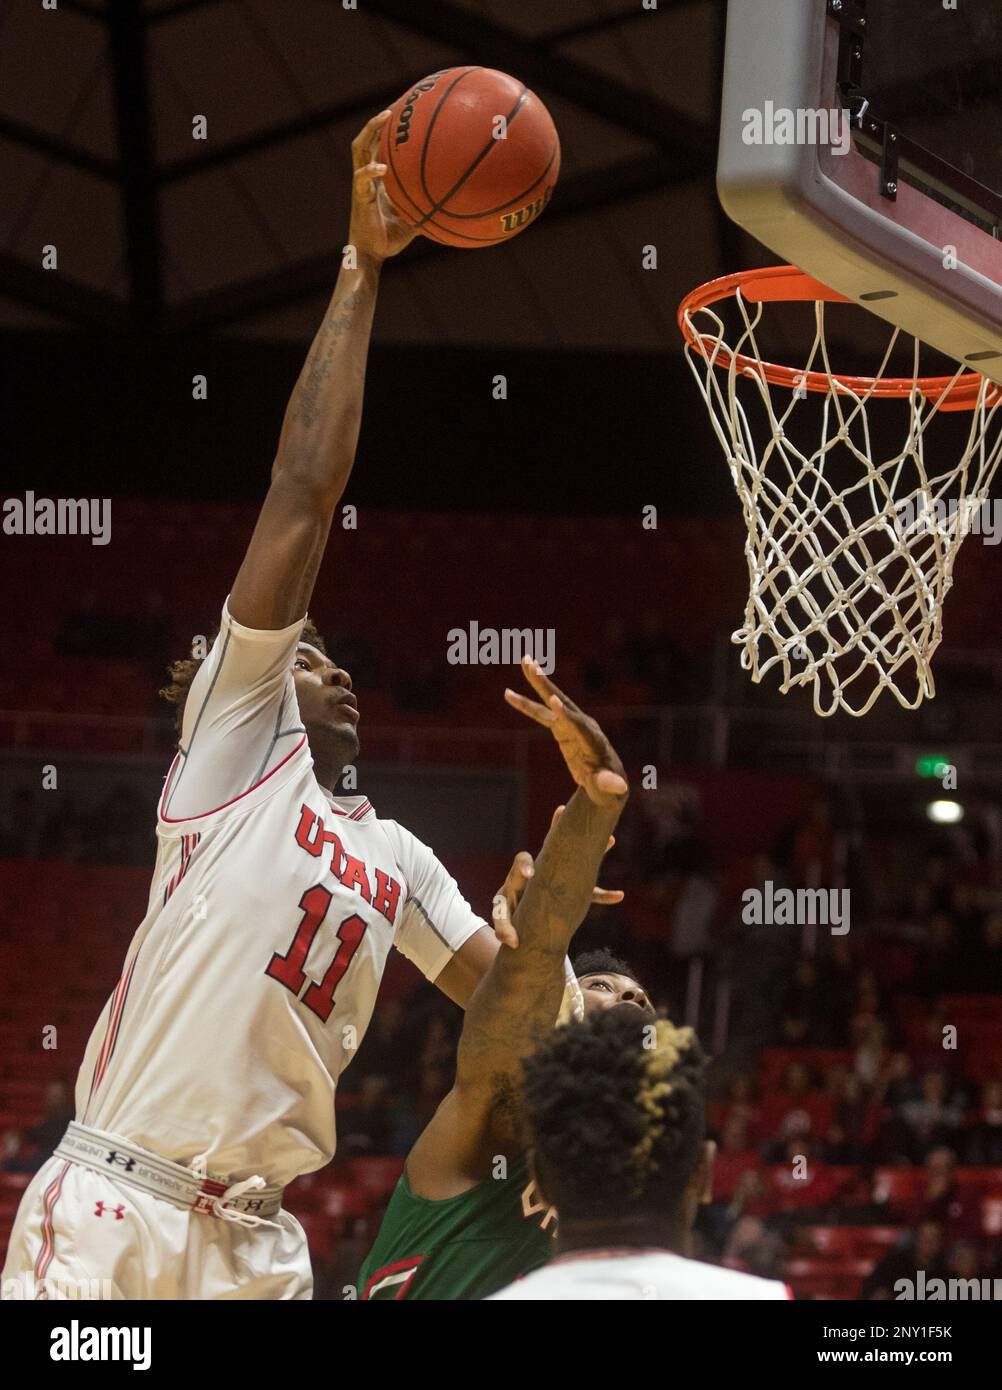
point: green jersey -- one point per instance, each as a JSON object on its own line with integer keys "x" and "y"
{"x": 459, "y": 1247}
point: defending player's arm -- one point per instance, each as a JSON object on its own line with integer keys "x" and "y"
{"x": 316, "y": 448}
{"x": 517, "y": 1002}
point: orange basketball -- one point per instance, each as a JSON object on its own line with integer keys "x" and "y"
{"x": 472, "y": 156}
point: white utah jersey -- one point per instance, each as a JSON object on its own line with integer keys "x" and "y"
{"x": 250, "y": 982}
{"x": 639, "y": 1275}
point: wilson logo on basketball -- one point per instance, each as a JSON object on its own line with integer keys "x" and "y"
{"x": 511, "y": 221}
{"x": 403, "y": 133}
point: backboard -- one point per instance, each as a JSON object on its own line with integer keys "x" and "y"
{"x": 862, "y": 141}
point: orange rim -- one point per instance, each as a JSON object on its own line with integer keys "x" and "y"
{"x": 769, "y": 284}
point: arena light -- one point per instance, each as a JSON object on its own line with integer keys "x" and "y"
{"x": 945, "y": 812}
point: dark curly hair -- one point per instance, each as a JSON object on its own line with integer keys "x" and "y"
{"x": 183, "y": 671}
{"x": 602, "y": 962}
{"x": 615, "y": 1108}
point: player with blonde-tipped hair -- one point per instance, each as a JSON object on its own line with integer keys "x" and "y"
{"x": 615, "y": 1111}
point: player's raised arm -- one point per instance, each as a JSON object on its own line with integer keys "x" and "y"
{"x": 316, "y": 448}
{"x": 518, "y": 1000}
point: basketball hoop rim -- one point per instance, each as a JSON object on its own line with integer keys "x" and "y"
{"x": 789, "y": 284}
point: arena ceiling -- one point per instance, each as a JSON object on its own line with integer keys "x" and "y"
{"x": 241, "y": 233}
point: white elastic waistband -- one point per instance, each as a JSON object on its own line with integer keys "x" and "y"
{"x": 136, "y": 1167}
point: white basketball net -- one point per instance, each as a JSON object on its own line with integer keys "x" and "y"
{"x": 849, "y": 557}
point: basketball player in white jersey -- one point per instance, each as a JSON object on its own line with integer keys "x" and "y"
{"x": 209, "y": 1081}
{"x": 615, "y": 1113}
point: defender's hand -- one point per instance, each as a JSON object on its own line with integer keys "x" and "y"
{"x": 590, "y": 757}
{"x": 375, "y": 230}
{"x": 508, "y": 896}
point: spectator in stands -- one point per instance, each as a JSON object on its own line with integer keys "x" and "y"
{"x": 796, "y": 1110}
{"x": 735, "y": 1155}
{"x": 754, "y": 1248}
{"x": 799, "y": 1185}
{"x": 855, "y": 1121}
{"x": 923, "y": 1250}
{"x": 873, "y": 1055}
{"x": 941, "y": 1199}
{"x": 738, "y": 1099}
{"x": 965, "y": 1260}
{"x": 933, "y": 1117}
{"x": 896, "y": 1082}
{"x": 983, "y": 1141}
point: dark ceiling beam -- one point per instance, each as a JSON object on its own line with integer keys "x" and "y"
{"x": 55, "y": 148}
{"x": 647, "y": 116}
{"x": 53, "y": 293}
{"x": 315, "y": 275}
{"x": 127, "y": 40}
{"x": 541, "y": 66}
{"x": 374, "y": 100}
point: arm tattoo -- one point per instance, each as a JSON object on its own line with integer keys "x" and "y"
{"x": 318, "y": 369}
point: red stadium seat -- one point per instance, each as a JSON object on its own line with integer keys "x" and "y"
{"x": 822, "y": 1279}
{"x": 853, "y": 1242}
{"x": 897, "y": 1185}
{"x": 820, "y": 1060}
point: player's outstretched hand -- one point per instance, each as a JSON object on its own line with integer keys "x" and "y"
{"x": 590, "y": 757}
{"x": 508, "y": 896}
{"x": 375, "y": 229}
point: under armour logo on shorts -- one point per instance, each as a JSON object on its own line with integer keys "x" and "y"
{"x": 99, "y": 1210}
{"x": 122, "y": 1160}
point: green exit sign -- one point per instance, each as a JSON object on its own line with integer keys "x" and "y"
{"x": 932, "y": 765}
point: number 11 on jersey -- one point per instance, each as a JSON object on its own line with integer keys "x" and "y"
{"x": 288, "y": 969}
